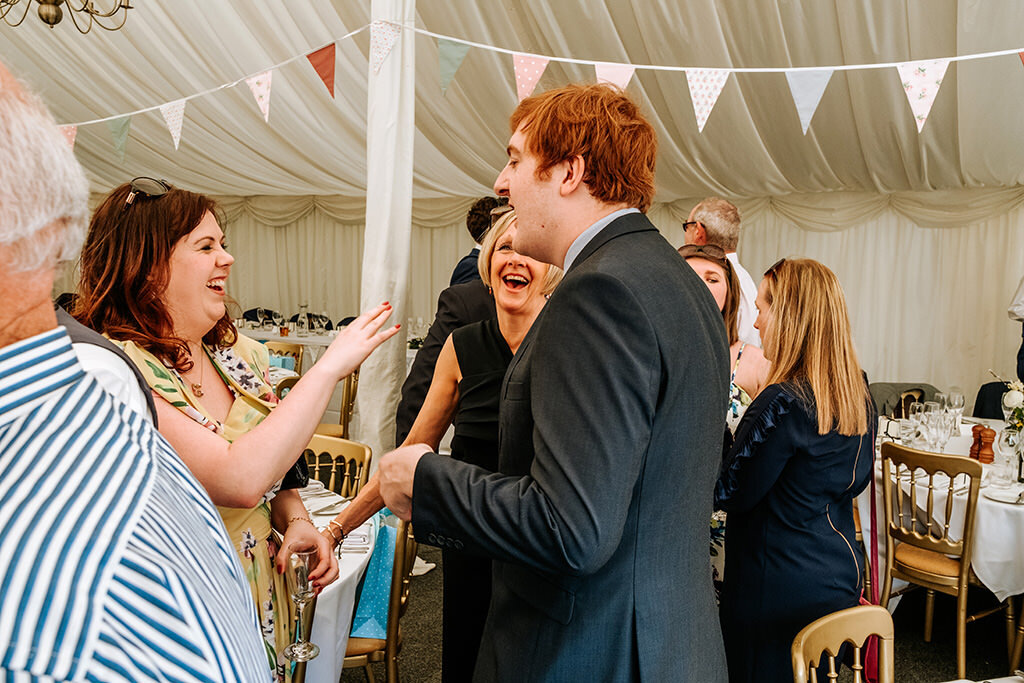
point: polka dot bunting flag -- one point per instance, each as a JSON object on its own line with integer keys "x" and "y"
{"x": 382, "y": 38}
{"x": 705, "y": 87}
{"x": 528, "y": 72}
{"x": 173, "y": 113}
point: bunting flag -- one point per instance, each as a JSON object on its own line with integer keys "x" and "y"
{"x": 616, "y": 74}
{"x": 119, "y": 133}
{"x": 260, "y": 87}
{"x": 450, "y": 55}
{"x": 323, "y": 62}
{"x": 69, "y": 133}
{"x": 382, "y": 38}
{"x": 528, "y": 71}
{"x": 174, "y": 113}
{"x": 807, "y": 87}
{"x": 921, "y": 83}
{"x": 1021, "y": 55}
{"x": 705, "y": 87}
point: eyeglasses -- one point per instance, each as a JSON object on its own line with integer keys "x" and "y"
{"x": 687, "y": 224}
{"x": 711, "y": 251}
{"x": 774, "y": 270}
{"x": 499, "y": 211}
{"x": 148, "y": 187}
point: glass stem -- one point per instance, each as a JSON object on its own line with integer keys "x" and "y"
{"x": 299, "y": 608}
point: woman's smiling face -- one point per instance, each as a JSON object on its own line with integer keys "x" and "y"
{"x": 197, "y": 275}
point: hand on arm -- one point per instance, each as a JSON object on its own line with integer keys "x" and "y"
{"x": 238, "y": 474}
{"x": 397, "y": 471}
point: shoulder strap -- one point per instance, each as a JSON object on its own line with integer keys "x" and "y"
{"x": 80, "y": 334}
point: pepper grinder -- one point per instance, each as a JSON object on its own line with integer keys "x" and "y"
{"x": 976, "y": 444}
{"x": 985, "y": 453}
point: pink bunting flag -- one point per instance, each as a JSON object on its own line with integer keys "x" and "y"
{"x": 383, "y": 36}
{"x": 69, "y": 133}
{"x": 260, "y": 87}
{"x": 323, "y": 62}
{"x": 616, "y": 74}
{"x": 705, "y": 87}
{"x": 921, "y": 83}
{"x": 528, "y": 72}
{"x": 174, "y": 113}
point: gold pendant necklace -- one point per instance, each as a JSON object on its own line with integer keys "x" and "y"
{"x": 197, "y": 389}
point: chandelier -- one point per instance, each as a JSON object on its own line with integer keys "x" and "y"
{"x": 51, "y": 13}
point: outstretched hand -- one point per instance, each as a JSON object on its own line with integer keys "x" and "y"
{"x": 357, "y": 340}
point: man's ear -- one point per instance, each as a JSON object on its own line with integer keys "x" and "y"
{"x": 571, "y": 175}
{"x": 700, "y": 235}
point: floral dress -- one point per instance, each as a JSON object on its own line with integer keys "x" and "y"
{"x": 739, "y": 399}
{"x": 244, "y": 368}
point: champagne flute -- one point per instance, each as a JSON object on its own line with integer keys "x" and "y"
{"x": 304, "y": 557}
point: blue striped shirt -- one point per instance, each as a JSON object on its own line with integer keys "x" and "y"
{"x": 114, "y": 565}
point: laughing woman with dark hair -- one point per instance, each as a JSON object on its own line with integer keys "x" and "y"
{"x": 154, "y": 273}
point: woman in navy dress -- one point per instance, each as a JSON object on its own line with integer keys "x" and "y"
{"x": 803, "y": 452}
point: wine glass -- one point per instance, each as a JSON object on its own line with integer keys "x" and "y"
{"x": 941, "y": 423}
{"x": 261, "y": 316}
{"x": 278, "y": 320}
{"x": 1006, "y": 447}
{"x": 955, "y": 404}
{"x": 318, "y": 323}
{"x": 304, "y": 557}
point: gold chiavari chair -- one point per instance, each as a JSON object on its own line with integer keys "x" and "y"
{"x": 822, "y": 638}
{"x": 342, "y": 465}
{"x": 287, "y": 349}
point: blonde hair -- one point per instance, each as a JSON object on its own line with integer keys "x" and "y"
{"x": 721, "y": 221}
{"x": 487, "y": 247}
{"x": 810, "y": 344}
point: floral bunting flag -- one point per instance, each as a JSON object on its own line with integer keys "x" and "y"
{"x": 528, "y": 71}
{"x": 174, "y": 113}
{"x": 260, "y": 87}
{"x": 807, "y": 87}
{"x": 383, "y": 36}
{"x": 616, "y": 74}
{"x": 705, "y": 87}
{"x": 119, "y": 132}
{"x": 921, "y": 83}
{"x": 450, "y": 55}
{"x": 323, "y": 63}
{"x": 69, "y": 133}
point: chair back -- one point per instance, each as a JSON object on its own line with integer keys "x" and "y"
{"x": 284, "y": 386}
{"x": 342, "y": 465}
{"x": 348, "y": 402}
{"x": 917, "y": 470}
{"x": 401, "y": 576}
{"x": 989, "y": 401}
{"x": 287, "y": 349}
{"x": 822, "y": 638}
{"x": 902, "y": 409}
{"x": 890, "y": 398}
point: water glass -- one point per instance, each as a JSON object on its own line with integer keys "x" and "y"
{"x": 1005, "y": 465}
{"x": 908, "y": 432}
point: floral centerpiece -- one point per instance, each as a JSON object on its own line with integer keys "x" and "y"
{"x": 1013, "y": 403}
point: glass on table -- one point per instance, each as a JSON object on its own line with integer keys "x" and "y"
{"x": 908, "y": 432}
{"x": 304, "y": 557}
{"x": 1005, "y": 466}
{"x": 955, "y": 405}
{"x": 942, "y": 422}
{"x": 278, "y": 320}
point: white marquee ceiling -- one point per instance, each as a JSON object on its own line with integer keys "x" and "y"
{"x": 863, "y": 136}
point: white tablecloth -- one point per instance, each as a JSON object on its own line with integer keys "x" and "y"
{"x": 998, "y": 556}
{"x": 332, "y": 620}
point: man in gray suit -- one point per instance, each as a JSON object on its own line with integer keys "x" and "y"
{"x": 611, "y": 424}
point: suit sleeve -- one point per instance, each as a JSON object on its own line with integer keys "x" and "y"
{"x": 594, "y": 376}
{"x": 414, "y": 390}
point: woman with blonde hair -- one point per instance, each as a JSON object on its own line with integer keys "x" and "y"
{"x": 803, "y": 452}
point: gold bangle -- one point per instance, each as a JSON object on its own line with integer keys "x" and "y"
{"x": 300, "y": 519}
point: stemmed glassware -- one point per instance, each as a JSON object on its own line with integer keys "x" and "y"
{"x": 1006, "y": 447}
{"x": 278, "y": 320}
{"x": 304, "y": 557}
{"x": 261, "y": 316}
{"x": 955, "y": 405}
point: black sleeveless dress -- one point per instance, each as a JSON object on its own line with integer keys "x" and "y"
{"x": 483, "y": 357}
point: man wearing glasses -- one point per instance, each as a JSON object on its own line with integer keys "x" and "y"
{"x": 716, "y": 221}
{"x": 610, "y": 424}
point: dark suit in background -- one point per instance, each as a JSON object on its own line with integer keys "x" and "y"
{"x": 456, "y": 306}
{"x": 466, "y": 269}
{"x": 610, "y": 441}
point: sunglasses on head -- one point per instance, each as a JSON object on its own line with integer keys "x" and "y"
{"x": 773, "y": 271}
{"x": 147, "y": 187}
{"x": 499, "y": 211}
{"x": 711, "y": 251}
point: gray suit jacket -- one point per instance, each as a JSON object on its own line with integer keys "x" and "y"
{"x": 611, "y": 431}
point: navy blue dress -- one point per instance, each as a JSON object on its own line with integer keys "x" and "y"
{"x": 791, "y": 556}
